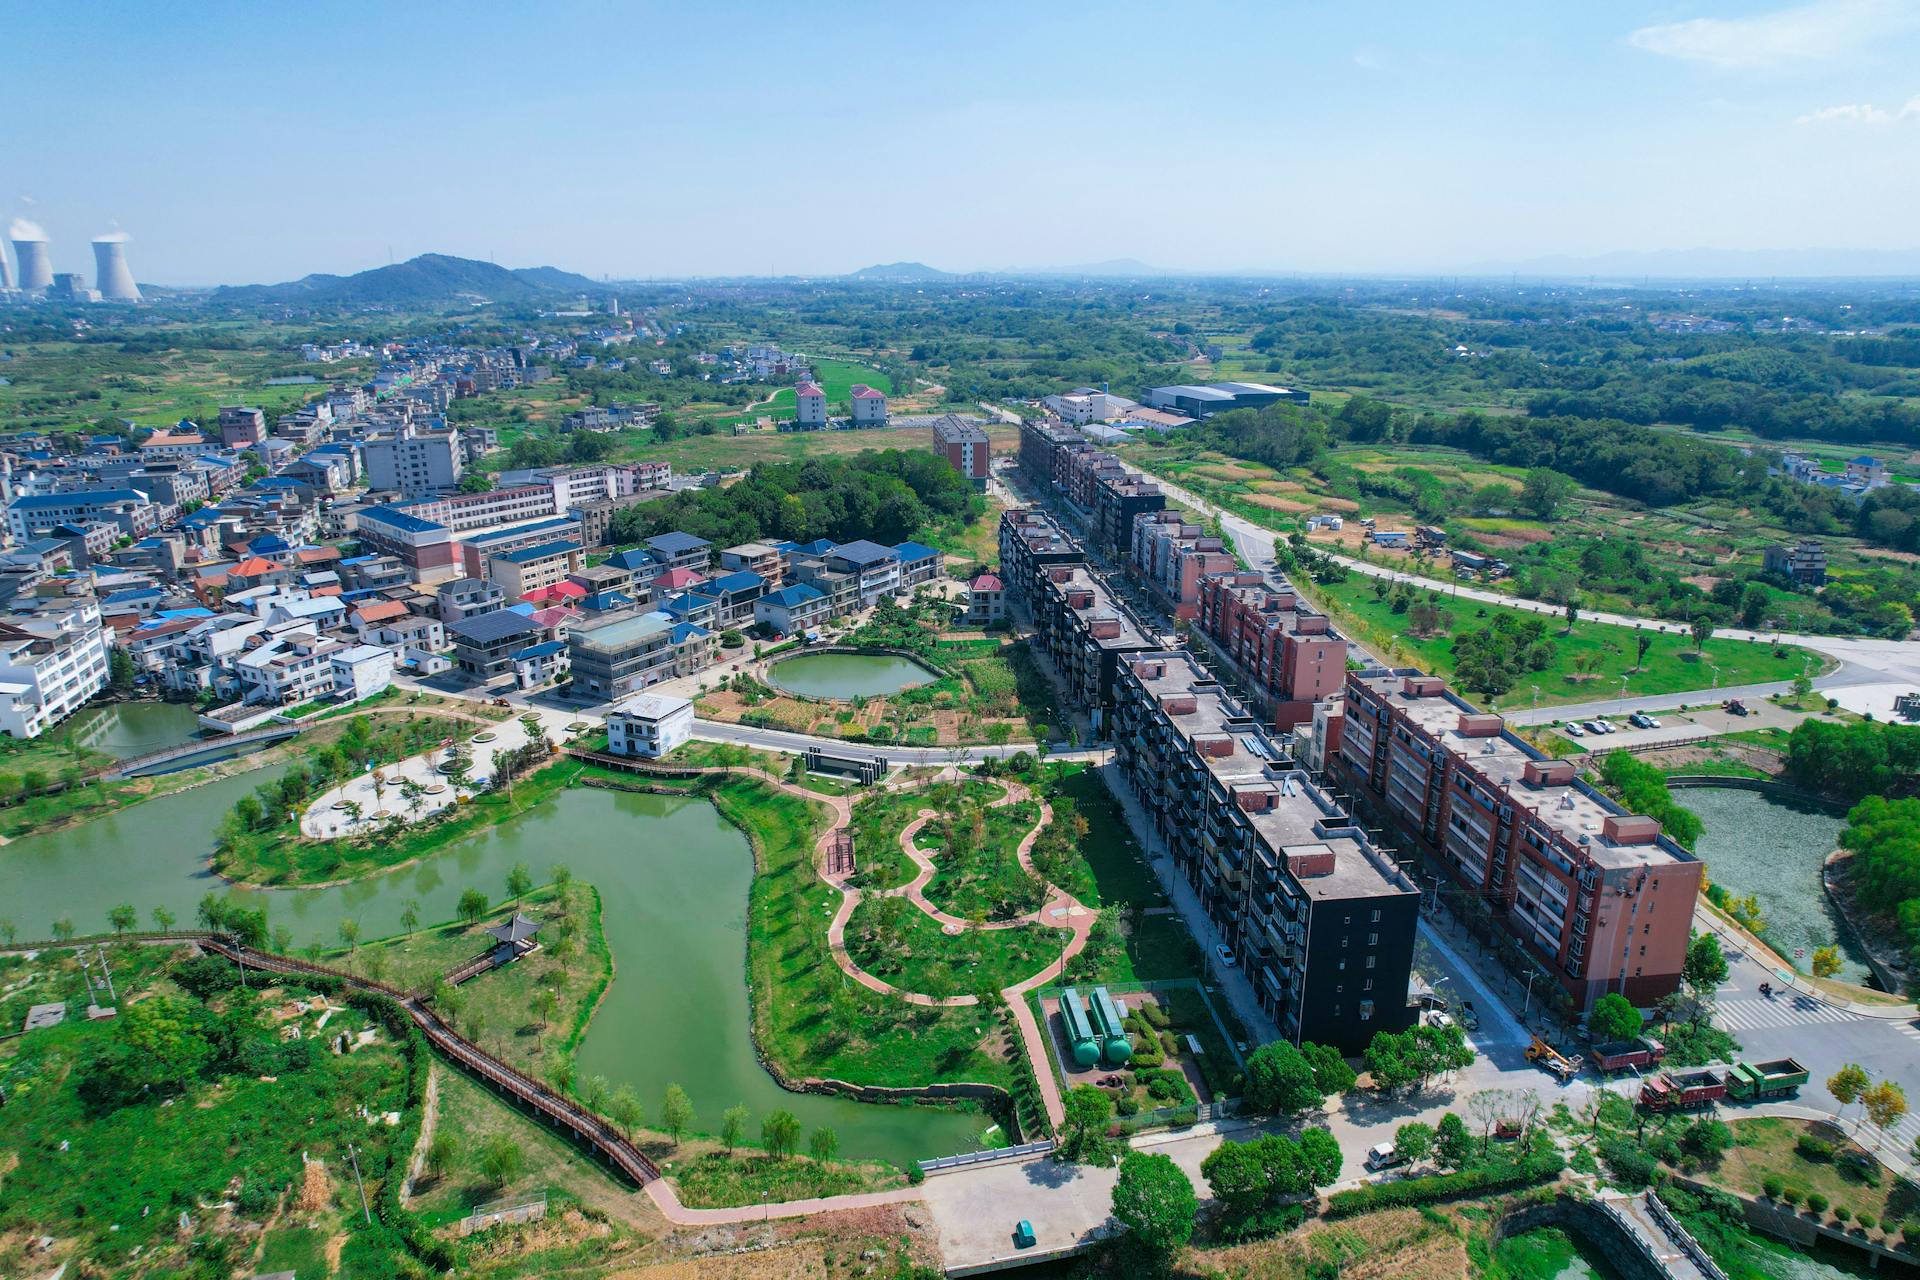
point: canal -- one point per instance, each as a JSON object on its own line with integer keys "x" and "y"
{"x": 1773, "y": 848}
{"x": 673, "y": 878}
{"x": 846, "y": 676}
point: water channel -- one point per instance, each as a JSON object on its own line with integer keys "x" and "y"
{"x": 848, "y": 675}
{"x": 673, "y": 877}
{"x": 1773, "y": 848}
{"x": 126, "y": 729}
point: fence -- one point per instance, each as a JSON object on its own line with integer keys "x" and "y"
{"x": 515, "y": 1211}
{"x": 1177, "y": 1117}
{"x": 1683, "y": 1238}
{"x": 1024, "y": 1151}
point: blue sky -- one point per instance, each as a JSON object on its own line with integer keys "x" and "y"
{"x": 240, "y": 142}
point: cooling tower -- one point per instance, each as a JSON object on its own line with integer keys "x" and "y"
{"x": 36, "y": 265}
{"x": 6, "y": 271}
{"x": 111, "y": 276}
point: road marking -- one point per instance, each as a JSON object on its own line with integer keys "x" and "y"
{"x": 1753, "y": 1015}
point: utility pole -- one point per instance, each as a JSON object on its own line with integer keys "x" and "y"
{"x": 365, "y": 1212}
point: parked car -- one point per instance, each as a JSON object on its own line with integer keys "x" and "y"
{"x": 1737, "y": 708}
{"x": 1439, "y": 1019}
{"x": 1574, "y": 730}
{"x": 1225, "y": 956}
{"x": 1469, "y": 1017}
{"x": 1383, "y": 1156}
{"x": 1641, "y": 720}
{"x": 1599, "y": 727}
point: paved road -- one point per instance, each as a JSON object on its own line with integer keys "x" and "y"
{"x": 1862, "y": 661}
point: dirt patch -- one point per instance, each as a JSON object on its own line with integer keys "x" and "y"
{"x": 1396, "y": 1245}
{"x": 1887, "y": 553}
{"x": 335, "y": 1244}
{"x": 1274, "y": 503}
{"x": 316, "y": 1188}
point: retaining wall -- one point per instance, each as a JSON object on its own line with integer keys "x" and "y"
{"x": 1622, "y": 1247}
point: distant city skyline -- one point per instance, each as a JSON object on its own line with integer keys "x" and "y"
{"x": 235, "y": 143}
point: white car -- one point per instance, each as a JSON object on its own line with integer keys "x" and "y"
{"x": 1573, "y": 730}
{"x": 1225, "y": 956}
{"x": 1436, "y": 1018}
{"x": 1599, "y": 726}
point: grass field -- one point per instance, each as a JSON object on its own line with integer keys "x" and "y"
{"x": 1672, "y": 665}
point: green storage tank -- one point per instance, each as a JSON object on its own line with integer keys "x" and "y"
{"x": 1114, "y": 1045}
{"x": 1080, "y": 1037}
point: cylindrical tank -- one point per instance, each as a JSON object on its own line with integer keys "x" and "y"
{"x": 1080, "y": 1037}
{"x": 36, "y": 265}
{"x": 1111, "y": 1028}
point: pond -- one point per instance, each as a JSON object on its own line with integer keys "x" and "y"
{"x": 1549, "y": 1253}
{"x": 846, "y": 676}
{"x": 673, "y": 878}
{"x": 126, "y": 729}
{"x": 1773, "y": 848}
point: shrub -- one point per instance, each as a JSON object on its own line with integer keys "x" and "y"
{"x": 1812, "y": 1148}
{"x": 1772, "y": 1187}
{"x": 1792, "y": 1195}
{"x": 1151, "y": 1011}
{"x": 1816, "y": 1204}
{"x": 1841, "y": 1213}
{"x": 1627, "y": 1164}
{"x": 1866, "y": 1220}
{"x": 1128, "y": 1106}
{"x": 1446, "y": 1186}
{"x": 915, "y": 1175}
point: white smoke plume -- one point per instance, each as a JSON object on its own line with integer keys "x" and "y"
{"x": 25, "y": 229}
{"x": 113, "y": 237}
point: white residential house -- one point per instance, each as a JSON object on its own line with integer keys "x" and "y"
{"x": 362, "y": 670}
{"x": 810, "y": 406}
{"x": 293, "y": 666}
{"x": 650, "y": 725}
{"x": 49, "y": 666}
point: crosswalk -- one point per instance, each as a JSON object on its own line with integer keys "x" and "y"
{"x": 1781, "y": 1011}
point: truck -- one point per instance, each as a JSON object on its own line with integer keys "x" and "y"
{"x": 1553, "y": 1060}
{"x": 1683, "y": 1090}
{"x": 1758, "y": 1081}
{"x": 1628, "y": 1055}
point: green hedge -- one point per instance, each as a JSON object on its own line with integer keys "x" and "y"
{"x": 1445, "y": 1186}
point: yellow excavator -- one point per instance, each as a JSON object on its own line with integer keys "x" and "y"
{"x": 1553, "y": 1060}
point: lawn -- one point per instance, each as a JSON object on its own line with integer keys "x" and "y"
{"x": 978, "y": 874}
{"x": 1766, "y": 1149}
{"x": 896, "y": 941}
{"x": 1672, "y": 664}
{"x": 498, "y": 1009}
{"x": 810, "y": 1018}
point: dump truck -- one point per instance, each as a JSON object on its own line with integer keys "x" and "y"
{"x": 1757, "y": 1081}
{"x": 1553, "y": 1060}
{"x": 1628, "y": 1055}
{"x": 1683, "y": 1090}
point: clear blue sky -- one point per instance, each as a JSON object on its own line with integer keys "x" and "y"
{"x": 249, "y": 141}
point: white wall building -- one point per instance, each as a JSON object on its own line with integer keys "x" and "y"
{"x": 49, "y": 666}
{"x": 810, "y": 405}
{"x": 362, "y": 671}
{"x": 650, "y": 725}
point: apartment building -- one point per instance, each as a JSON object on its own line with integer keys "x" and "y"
{"x": 51, "y": 662}
{"x": 622, "y": 653}
{"x": 509, "y": 504}
{"x": 479, "y": 550}
{"x": 465, "y": 598}
{"x": 426, "y": 547}
{"x": 1321, "y": 919}
{"x": 528, "y": 569}
{"x": 1804, "y": 563}
{"x": 965, "y": 446}
{"x": 1171, "y": 555}
{"x": 676, "y": 550}
{"x": 1290, "y": 657}
{"x": 288, "y": 666}
{"x": 1120, "y": 498}
{"x": 1087, "y": 633}
{"x": 793, "y": 609}
{"x": 242, "y": 426}
{"x": 868, "y": 405}
{"x": 1599, "y": 895}
{"x": 484, "y": 643}
{"x": 1045, "y": 450}
{"x": 417, "y": 463}
{"x": 1031, "y": 540}
{"x": 810, "y": 407}
{"x": 37, "y": 515}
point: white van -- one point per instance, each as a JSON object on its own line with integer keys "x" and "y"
{"x": 1383, "y": 1156}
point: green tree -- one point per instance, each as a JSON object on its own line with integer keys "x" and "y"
{"x": 1451, "y": 1141}
{"x": 164, "y": 920}
{"x": 1849, "y": 1085}
{"x": 121, "y": 672}
{"x": 624, "y": 1110}
{"x": 780, "y": 1133}
{"x": 1542, "y": 493}
{"x": 1826, "y": 961}
{"x": 350, "y": 934}
{"x": 1087, "y": 1109}
{"x": 1413, "y": 1141}
{"x": 472, "y": 905}
{"x": 519, "y": 881}
{"x": 1320, "y": 1158}
{"x": 1703, "y": 970}
{"x": 1706, "y": 1138}
{"x": 123, "y": 917}
{"x": 733, "y": 1126}
{"x": 63, "y": 929}
{"x": 1702, "y": 630}
{"x": 1281, "y": 1081}
{"x": 501, "y": 1160}
{"x": 1885, "y": 1104}
{"x": 1155, "y": 1200}
{"x": 441, "y": 1153}
{"x": 164, "y": 1032}
{"x": 823, "y": 1144}
{"x": 1237, "y": 1176}
{"x": 544, "y": 1003}
{"x": 1330, "y": 1071}
{"x": 676, "y": 1112}
{"x": 410, "y": 916}
{"x": 1613, "y": 1018}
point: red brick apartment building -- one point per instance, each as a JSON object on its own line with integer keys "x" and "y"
{"x": 1290, "y": 656}
{"x": 1172, "y": 556}
{"x": 1597, "y": 893}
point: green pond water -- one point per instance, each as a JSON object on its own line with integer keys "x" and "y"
{"x": 1773, "y": 849}
{"x": 673, "y": 878}
{"x": 126, "y": 729}
{"x": 848, "y": 675}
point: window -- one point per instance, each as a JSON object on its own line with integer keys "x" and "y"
{"x": 1373, "y": 939}
{"x": 1366, "y": 1010}
{"x": 1376, "y": 915}
{"x": 1370, "y": 960}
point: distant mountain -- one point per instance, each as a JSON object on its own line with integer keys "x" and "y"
{"x": 901, "y": 273}
{"x": 1715, "y": 264}
{"x": 423, "y": 281}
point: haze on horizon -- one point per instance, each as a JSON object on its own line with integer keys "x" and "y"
{"x": 238, "y": 143}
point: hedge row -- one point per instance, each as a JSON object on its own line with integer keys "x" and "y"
{"x": 1445, "y": 1186}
